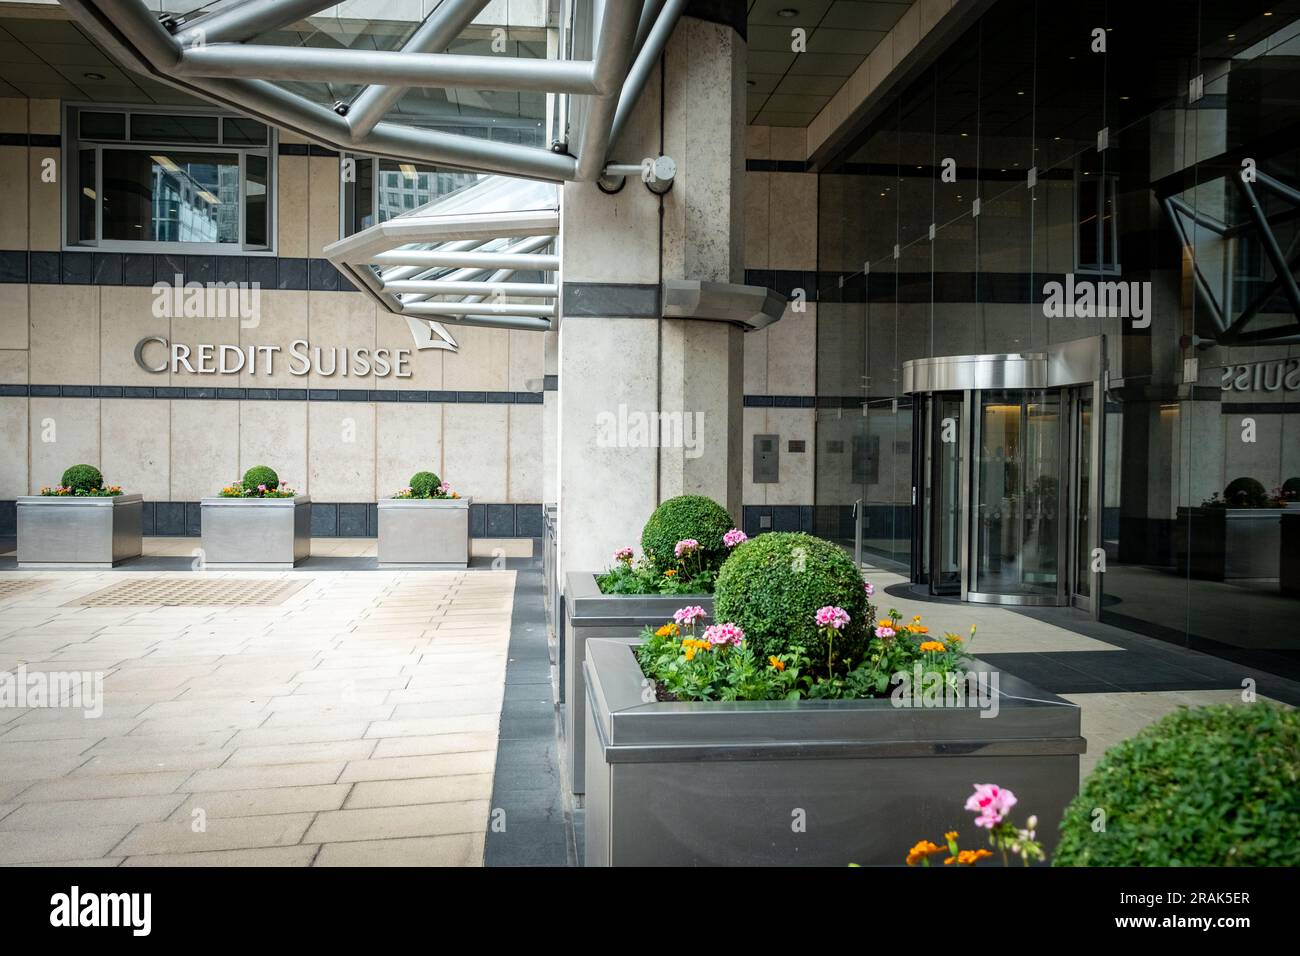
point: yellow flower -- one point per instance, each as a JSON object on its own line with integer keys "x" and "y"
{"x": 885, "y": 622}
{"x": 923, "y": 849}
{"x": 932, "y": 646}
{"x": 776, "y": 662}
{"x": 670, "y": 572}
{"x": 950, "y": 835}
{"x": 668, "y": 630}
{"x": 690, "y": 653}
{"x": 916, "y": 619}
{"x": 919, "y": 629}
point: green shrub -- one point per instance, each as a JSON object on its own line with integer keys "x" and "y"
{"x": 82, "y": 478}
{"x": 1245, "y": 492}
{"x": 260, "y": 475}
{"x": 1291, "y": 488}
{"x": 773, "y": 585}
{"x": 424, "y": 484}
{"x": 686, "y": 516}
{"x": 1213, "y": 786}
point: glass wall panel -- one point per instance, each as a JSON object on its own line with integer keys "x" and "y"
{"x": 1200, "y": 439}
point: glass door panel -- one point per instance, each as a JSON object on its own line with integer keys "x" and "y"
{"x": 948, "y": 462}
{"x": 1083, "y": 496}
{"x": 1017, "y": 499}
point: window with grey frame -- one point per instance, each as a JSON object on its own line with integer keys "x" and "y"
{"x": 194, "y": 182}
{"x": 376, "y": 190}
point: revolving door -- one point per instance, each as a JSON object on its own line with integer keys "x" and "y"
{"x": 1005, "y": 466}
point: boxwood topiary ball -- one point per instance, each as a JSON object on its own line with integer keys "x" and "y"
{"x": 82, "y": 478}
{"x": 686, "y": 516}
{"x": 1211, "y": 786}
{"x": 772, "y": 586}
{"x": 1244, "y": 491}
{"x": 1291, "y": 488}
{"x": 261, "y": 475}
{"x": 424, "y": 484}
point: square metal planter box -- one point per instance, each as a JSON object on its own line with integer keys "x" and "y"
{"x": 424, "y": 532}
{"x": 270, "y": 533}
{"x": 813, "y": 783}
{"x": 588, "y": 614}
{"x": 78, "y": 532}
{"x": 1223, "y": 544}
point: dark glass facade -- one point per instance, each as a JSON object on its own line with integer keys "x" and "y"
{"x": 1170, "y": 158}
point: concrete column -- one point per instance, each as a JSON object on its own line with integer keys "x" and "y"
{"x": 650, "y": 408}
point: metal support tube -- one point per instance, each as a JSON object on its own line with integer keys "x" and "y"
{"x": 521, "y": 322}
{"x": 647, "y": 59}
{"x": 526, "y": 290}
{"x": 460, "y": 260}
{"x": 388, "y": 66}
{"x": 617, "y": 26}
{"x": 434, "y": 35}
{"x": 248, "y": 20}
{"x": 486, "y": 308}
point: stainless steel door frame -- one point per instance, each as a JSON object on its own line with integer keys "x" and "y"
{"x": 1091, "y": 602}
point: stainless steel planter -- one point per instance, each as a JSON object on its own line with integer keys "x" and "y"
{"x": 78, "y": 532}
{"x": 813, "y": 783}
{"x": 424, "y": 532}
{"x": 256, "y": 532}
{"x": 590, "y": 614}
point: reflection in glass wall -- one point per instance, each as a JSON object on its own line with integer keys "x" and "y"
{"x": 1100, "y": 169}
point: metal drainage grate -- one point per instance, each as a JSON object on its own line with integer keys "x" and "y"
{"x": 12, "y": 587}
{"x": 190, "y": 592}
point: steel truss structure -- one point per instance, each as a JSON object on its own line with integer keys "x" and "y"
{"x": 456, "y": 260}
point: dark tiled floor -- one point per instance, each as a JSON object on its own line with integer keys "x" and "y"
{"x": 538, "y": 826}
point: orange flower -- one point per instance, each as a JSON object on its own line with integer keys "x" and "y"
{"x": 923, "y": 849}
{"x": 968, "y": 857}
{"x": 671, "y": 572}
{"x": 885, "y": 622}
{"x": 668, "y": 630}
{"x": 690, "y": 653}
{"x": 776, "y": 662}
{"x": 933, "y": 646}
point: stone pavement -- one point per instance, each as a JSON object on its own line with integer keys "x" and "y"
{"x": 354, "y": 723}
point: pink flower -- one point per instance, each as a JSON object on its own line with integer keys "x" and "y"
{"x": 869, "y": 588}
{"x": 689, "y": 615}
{"x": 686, "y": 546}
{"x": 734, "y": 537}
{"x": 261, "y": 488}
{"x": 727, "y": 633}
{"x": 444, "y": 488}
{"x": 991, "y": 803}
{"x": 624, "y": 555}
{"x": 831, "y": 616}
{"x": 885, "y": 633}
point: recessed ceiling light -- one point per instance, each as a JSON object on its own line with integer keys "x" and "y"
{"x": 1268, "y": 13}
{"x": 1232, "y": 36}
{"x": 1123, "y": 97}
{"x": 94, "y": 76}
{"x": 787, "y": 12}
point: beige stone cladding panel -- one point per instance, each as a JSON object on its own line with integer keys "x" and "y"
{"x": 341, "y": 451}
{"x": 13, "y": 437}
{"x": 64, "y": 432}
{"x": 525, "y": 450}
{"x": 205, "y": 447}
{"x": 136, "y": 439}
{"x": 474, "y": 457}
{"x": 126, "y": 317}
{"x": 275, "y": 434}
{"x": 64, "y": 334}
{"x": 408, "y": 438}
